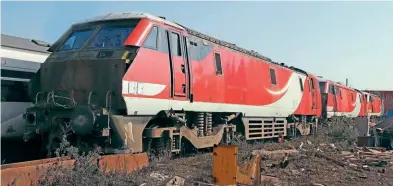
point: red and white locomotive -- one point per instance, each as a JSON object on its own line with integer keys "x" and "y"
{"x": 136, "y": 82}
{"x": 349, "y": 102}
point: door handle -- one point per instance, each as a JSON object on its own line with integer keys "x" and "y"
{"x": 183, "y": 86}
{"x": 183, "y": 68}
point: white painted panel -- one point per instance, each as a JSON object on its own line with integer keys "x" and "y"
{"x": 281, "y": 108}
{"x": 23, "y": 55}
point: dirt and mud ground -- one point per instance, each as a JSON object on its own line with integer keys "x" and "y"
{"x": 303, "y": 168}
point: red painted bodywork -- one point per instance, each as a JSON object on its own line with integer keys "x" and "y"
{"x": 374, "y": 105}
{"x": 363, "y": 109}
{"x": 342, "y": 99}
{"x": 387, "y": 97}
{"x": 245, "y": 79}
{"x": 311, "y": 99}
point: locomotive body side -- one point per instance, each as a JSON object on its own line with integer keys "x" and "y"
{"x": 216, "y": 80}
{"x": 311, "y": 103}
{"x": 342, "y": 100}
{"x": 374, "y": 105}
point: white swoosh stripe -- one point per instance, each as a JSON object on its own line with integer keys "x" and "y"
{"x": 281, "y": 108}
{"x": 280, "y": 91}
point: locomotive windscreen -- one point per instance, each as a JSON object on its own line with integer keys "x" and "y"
{"x": 107, "y": 37}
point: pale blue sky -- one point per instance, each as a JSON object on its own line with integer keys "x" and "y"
{"x": 336, "y": 40}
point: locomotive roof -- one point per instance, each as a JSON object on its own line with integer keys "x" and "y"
{"x": 132, "y": 15}
{"x": 321, "y": 79}
{"x": 128, "y": 15}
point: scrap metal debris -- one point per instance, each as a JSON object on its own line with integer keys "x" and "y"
{"x": 176, "y": 181}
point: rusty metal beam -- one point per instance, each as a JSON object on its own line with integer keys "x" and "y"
{"x": 123, "y": 163}
{"x": 28, "y": 173}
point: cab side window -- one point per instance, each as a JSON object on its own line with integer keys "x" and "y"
{"x": 151, "y": 41}
{"x": 301, "y": 84}
{"x": 273, "y": 79}
{"x": 175, "y": 44}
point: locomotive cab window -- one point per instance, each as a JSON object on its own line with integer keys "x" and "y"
{"x": 301, "y": 84}
{"x": 175, "y": 44}
{"x": 341, "y": 95}
{"x": 151, "y": 40}
{"x": 322, "y": 87}
{"x": 331, "y": 89}
{"x": 360, "y": 98}
{"x": 312, "y": 83}
{"x": 273, "y": 79}
{"x": 217, "y": 59}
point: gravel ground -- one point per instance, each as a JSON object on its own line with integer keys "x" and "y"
{"x": 303, "y": 168}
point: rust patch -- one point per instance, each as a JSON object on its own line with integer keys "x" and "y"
{"x": 123, "y": 163}
{"x": 33, "y": 162}
{"x": 28, "y": 173}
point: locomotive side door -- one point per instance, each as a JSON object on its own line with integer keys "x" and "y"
{"x": 333, "y": 90}
{"x": 338, "y": 98}
{"x": 178, "y": 58}
{"x": 314, "y": 93}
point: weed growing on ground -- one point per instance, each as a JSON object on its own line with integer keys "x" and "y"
{"x": 342, "y": 131}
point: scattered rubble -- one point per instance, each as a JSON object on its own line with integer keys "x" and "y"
{"x": 329, "y": 158}
{"x": 176, "y": 181}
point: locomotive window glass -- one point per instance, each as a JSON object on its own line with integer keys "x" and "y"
{"x": 218, "y": 63}
{"x": 14, "y": 91}
{"x": 341, "y": 95}
{"x": 175, "y": 44}
{"x": 360, "y": 98}
{"x": 322, "y": 87}
{"x": 352, "y": 96}
{"x": 301, "y": 84}
{"x": 151, "y": 40}
{"x": 111, "y": 37}
{"x": 273, "y": 79}
{"x": 163, "y": 41}
{"x": 76, "y": 40}
{"x": 312, "y": 83}
{"x": 331, "y": 89}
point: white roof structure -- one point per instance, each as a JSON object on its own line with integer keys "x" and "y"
{"x": 129, "y": 15}
{"x": 20, "y": 55}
